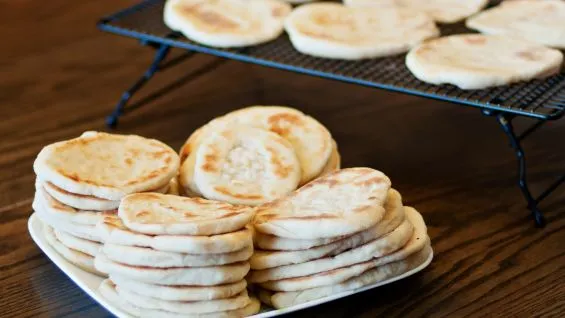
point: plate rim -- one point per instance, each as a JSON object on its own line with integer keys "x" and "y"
{"x": 74, "y": 273}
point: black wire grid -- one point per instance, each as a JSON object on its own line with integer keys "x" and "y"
{"x": 542, "y": 100}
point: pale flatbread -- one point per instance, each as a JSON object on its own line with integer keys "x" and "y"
{"x": 77, "y": 258}
{"x": 533, "y": 20}
{"x": 107, "y": 166}
{"x": 444, "y": 11}
{"x": 85, "y": 231}
{"x": 144, "y": 256}
{"x": 113, "y": 231}
{"x": 76, "y": 243}
{"x": 185, "y": 307}
{"x": 386, "y": 245}
{"x": 180, "y": 293}
{"x": 373, "y": 276}
{"x": 196, "y": 276}
{"x": 418, "y": 241}
{"x": 107, "y": 290}
{"x": 473, "y": 61}
{"x": 312, "y": 142}
{"x": 246, "y": 165}
{"x": 331, "y": 30}
{"x": 156, "y": 214}
{"x": 394, "y": 215}
{"x": 340, "y": 203}
{"x": 63, "y": 212}
{"x": 227, "y": 23}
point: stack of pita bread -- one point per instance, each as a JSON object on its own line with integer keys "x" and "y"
{"x": 255, "y": 155}
{"x": 82, "y": 180}
{"x": 340, "y": 232}
{"x": 172, "y": 256}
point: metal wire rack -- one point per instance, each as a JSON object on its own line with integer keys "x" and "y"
{"x": 542, "y": 100}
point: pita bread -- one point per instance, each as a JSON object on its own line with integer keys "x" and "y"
{"x": 84, "y": 231}
{"x": 196, "y": 276}
{"x": 227, "y": 23}
{"x": 86, "y": 202}
{"x": 331, "y": 30}
{"x": 245, "y": 165}
{"x": 55, "y": 209}
{"x": 312, "y": 277}
{"x": 388, "y": 244}
{"x": 180, "y": 293}
{"x": 443, "y": 11}
{"x": 340, "y": 203}
{"x": 113, "y": 231}
{"x": 312, "y": 142}
{"x": 143, "y": 256}
{"x": 473, "y": 61}
{"x": 76, "y": 243}
{"x": 108, "y": 290}
{"x": 378, "y": 274}
{"x": 159, "y": 214}
{"x": 77, "y": 258}
{"x": 532, "y": 20}
{"x": 185, "y": 307}
{"x": 107, "y": 166}
{"x": 394, "y": 215}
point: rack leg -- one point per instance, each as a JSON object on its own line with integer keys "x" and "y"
{"x": 506, "y": 124}
{"x": 160, "y": 55}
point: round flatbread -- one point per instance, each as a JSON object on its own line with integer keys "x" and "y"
{"x": 76, "y": 243}
{"x": 180, "y": 293}
{"x": 143, "y": 256}
{"x": 312, "y": 142}
{"x": 113, "y": 231}
{"x": 443, "y": 11}
{"x": 227, "y": 23}
{"x": 340, "y": 203}
{"x": 473, "y": 61}
{"x": 107, "y": 166}
{"x": 183, "y": 307}
{"x": 388, "y": 244}
{"x": 340, "y": 274}
{"x": 245, "y": 165}
{"x": 392, "y": 219}
{"x": 331, "y": 30}
{"x": 77, "y": 258}
{"x": 157, "y": 214}
{"x": 378, "y": 274}
{"x": 532, "y": 20}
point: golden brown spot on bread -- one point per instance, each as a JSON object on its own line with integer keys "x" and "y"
{"x": 142, "y": 213}
{"x": 225, "y": 191}
{"x": 279, "y": 11}
{"x": 128, "y": 161}
{"x": 369, "y": 182}
{"x": 209, "y": 17}
{"x": 528, "y": 55}
{"x": 279, "y": 123}
{"x": 280, "y": 169}
{"x": 475, "y": 40}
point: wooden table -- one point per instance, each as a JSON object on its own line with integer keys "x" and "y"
{"x": 60, "y": 77}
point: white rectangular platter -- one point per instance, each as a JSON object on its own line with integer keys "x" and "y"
{"x": 89, "y": 282}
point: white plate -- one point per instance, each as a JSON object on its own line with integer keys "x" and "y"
{"x": 89, "y": 282}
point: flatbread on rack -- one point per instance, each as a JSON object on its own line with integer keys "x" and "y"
{"x": 193, "y": 276}
{"x": 227, "y": 23}
{"x": 378, "y": 274}
{"x": 340, "y": 203}
{"x": 474, "y": 61}
{"x": 246, "y": 165}
{"x": 107, "y": 166}
{"x": 108, "y": 290}
{"x": 180, "y": 293}
{"x": 331, "y": 30}
{"x": 443, "y": 11}
{"x": 393, "y": 217}
{"x": 163, "y": 214}
{"x": 533, "y": 20}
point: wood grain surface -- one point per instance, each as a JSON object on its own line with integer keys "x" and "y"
{"x": 59, "y": 76}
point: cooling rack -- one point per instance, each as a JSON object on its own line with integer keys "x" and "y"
{"x": 540, "y": 100}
